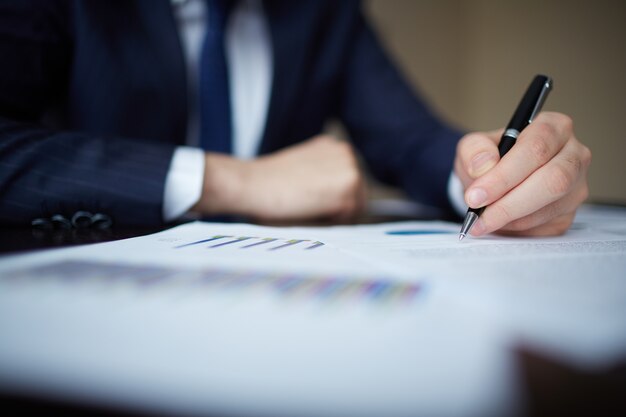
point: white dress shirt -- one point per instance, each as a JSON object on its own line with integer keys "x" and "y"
{"x": 250, "y": 69}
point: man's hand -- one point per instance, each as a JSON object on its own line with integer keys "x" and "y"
{"x": 315, "y": 179}
{"x": 536, "y": 187}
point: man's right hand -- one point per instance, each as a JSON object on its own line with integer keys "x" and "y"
{"x": 315, "y": 179}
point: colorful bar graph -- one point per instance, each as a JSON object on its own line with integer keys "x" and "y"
{"x": 198, "y": 242}
{"x": 230, "y": 242}
{"x": 315, "y": 245}
{"x": 318, "y": 288}
{"x": 261, "y": 242}
{"x": 218, "y": 241}
{"x": 288, "y": 243}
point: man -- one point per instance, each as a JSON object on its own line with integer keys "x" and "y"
{"x": 97, "y": 100}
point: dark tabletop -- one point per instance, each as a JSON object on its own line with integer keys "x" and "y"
{"x": 14, "y": 239}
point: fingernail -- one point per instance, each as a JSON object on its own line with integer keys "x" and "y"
{"x": 476, "y": 197}
{"x": 482, "y": 163}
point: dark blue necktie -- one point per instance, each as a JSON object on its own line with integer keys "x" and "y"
{"x": 215, "y": 118}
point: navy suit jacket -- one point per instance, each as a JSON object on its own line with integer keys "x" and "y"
{"x": 93, "y": 103}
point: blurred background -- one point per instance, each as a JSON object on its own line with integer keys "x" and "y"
{"x": 473, "y": 59}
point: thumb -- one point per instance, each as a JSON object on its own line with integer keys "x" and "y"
{"x": 477, "y": 154}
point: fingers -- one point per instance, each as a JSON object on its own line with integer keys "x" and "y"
{"x": 551, "y": 215}
{"x": 346, "y": 214}
{"x": 538, "y": 144}
{"x": 556, "y": 226}
{"x": 353, "y": 202}
{"x": 477, "y": 153}
{"x": 555, "y": 189}
{"x": 319, "y": 178}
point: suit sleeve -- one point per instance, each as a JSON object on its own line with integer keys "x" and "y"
{"x": 400, "y": 138}
{"x": 44, "y": 171}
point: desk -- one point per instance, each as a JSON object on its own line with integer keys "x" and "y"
{"x": 14, "y": 239}
{"x": 550, "y": 387}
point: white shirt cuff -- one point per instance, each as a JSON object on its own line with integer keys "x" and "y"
{"x": 456, "y": 194}
{"x": 183, "y": 183}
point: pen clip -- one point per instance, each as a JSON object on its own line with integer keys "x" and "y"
{"x": 547, "y": 86}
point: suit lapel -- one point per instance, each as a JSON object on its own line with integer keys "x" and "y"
{"x": 290, "y": 30}
{"x": 158, "y": 21}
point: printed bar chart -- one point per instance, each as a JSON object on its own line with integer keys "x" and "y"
{"x": 248, "y": 242}
{"x": 311, "y": 287}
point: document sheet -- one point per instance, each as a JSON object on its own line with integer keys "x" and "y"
{"x": 386, "y": 319}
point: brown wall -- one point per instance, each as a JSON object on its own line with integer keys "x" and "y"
{"x": 473, "y": 59}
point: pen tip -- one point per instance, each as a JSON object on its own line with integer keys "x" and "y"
{"x": 461, "y": 237}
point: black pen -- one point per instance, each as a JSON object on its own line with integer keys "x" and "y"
{"x": 524, "y": 114}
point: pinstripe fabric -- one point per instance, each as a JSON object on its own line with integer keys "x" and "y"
{"x": 62, "y": 173}
{"x": 96, "y": 140}
{"x": 93, "y": 103}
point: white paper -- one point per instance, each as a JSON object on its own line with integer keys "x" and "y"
{"x": 562, "y": 295}
{"x": 388, "y": 319}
